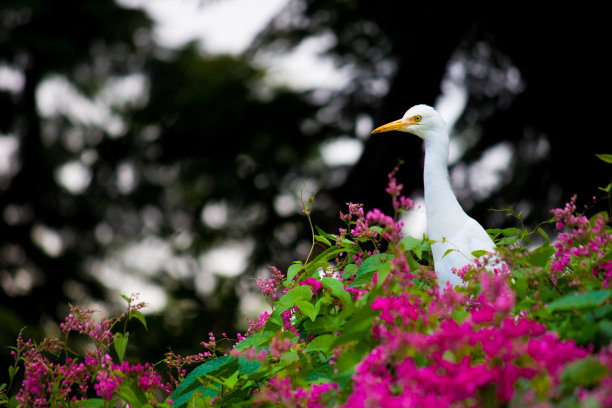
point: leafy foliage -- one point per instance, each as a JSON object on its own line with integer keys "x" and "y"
{"x": 369, "y": 330}
{"x": 363, "y": 323}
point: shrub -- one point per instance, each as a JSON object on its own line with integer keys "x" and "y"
{"x": 364, "y": 324}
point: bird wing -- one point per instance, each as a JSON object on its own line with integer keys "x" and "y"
{"x": 473, "y": 237}
{"x": 444, "y": 264}
{"x": 456, "y": 250}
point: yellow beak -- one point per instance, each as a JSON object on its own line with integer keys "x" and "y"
{"x": 399, "y": 124}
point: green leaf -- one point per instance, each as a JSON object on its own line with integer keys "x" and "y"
{"x": 510, "y": 231}
{"x": 357, "y": 328}
{"x": 275, "y": 321}
{"x": 545, "y": 235}
{"x": 255, "y": 340}
{"x": 323, "y": 324}
{"x": 323, "y": 240}
{"x": 193, "y": 382}
{"x": 12, "y": 372}
{"x": 321, "y": 343}
{"x": 506, "y": 232}
{"x": 307, "y": 308}
{"x": 507, "y": 240}
{"x": 317, "y": 306}
{"x": 248, "y": 367}
{"x": 603, "y": 311}
{"x": 325, "y": 234}
{"x": 373, "y": 263}
{"x": 520, "y": 286}
{"x": 348, "y": 360}
{"x": 478, "y": 253}
{"x": 131, "y": 393}
{"x": 578, "y": 301}
{"x": 409, "y": 243}
{"x": 377, "y": 229}
{"x": 323, "y": 373}
{"x": 231, "y": 381}
{"x": 584, "y": 373}
{"x": 336, "y": 288}
{"x": 120, "y": 342}
{"x": 318, "y": 266}
{"x": 605, "y": 327}
{"x": 140, "y": 317}
{"x": 362, "y": 279}
{"x": 349, "y": 270}
{"x": 328, "y": 254}
{"x": 448, "y": 251}
{"x": 416, "y": 245}
{"x": 292, "y": 271}
{"x": 540, "y": 256}
{"x": 294, "y": 295}
{"x": 91, "y": 403}
{"x": 605, "y": 157}
{"x": 365, "y": 275}
{"x": 361, "y": 321}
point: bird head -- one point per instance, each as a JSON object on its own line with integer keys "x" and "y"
{"x": 420, "y": 120}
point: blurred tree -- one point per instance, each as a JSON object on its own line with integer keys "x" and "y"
{"x": 45, "y": 230}
{"x": 127, "y": 164}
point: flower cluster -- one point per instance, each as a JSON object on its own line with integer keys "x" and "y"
{"x": 450, "y": 347}
{"x": 392, "y": 229}
{"x": 278, "y": 347}
{"x": 176, "y": 364}
{"x": 363, "y": 222}
{"x": 250, "y": 353}
{"x": 51, "y": 380}
{"x": 280, "y": 393}
{"x": 361, "y": 229}
{"x": 603, "y": 393}
{"x": 82, "y": 322}
{"x": 108, "y": 381}
{"x": 421, "y": 363}
{"x": 314, "y": 284}
{"x": 378, "y": 331}
{"x": 270, "y": 287}
{"x": 255, "y": 326}
{"x": 583, "y": 247}
{"x": 420, "y": 345}
{"x": 394, "y": 189}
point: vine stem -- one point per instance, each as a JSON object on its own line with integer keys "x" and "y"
{"x": 306, "y": 208}
{"x": 311, "y": 233}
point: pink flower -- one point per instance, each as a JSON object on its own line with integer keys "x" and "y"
{"x": 314, "y": 284}
{"x": 270, "y": 287}
{"x": 107, "y": 385}
{"x": 258, "y": 325}
{"x": 278, "y": 347}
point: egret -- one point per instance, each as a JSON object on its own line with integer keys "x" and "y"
{"x": 455, "y": 234}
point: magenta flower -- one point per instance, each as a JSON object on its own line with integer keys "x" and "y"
{"x": 107, "y": 384}
{"x": 270, "y": 287}
{"x": 314, "y": 284}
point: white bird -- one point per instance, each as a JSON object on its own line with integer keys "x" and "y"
{"x": 447, "y": 224}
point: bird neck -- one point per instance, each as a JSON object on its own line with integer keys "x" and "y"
{"x": 441, "y": 205}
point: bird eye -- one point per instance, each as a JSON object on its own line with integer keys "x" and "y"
{"x": 417, "y": 118}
